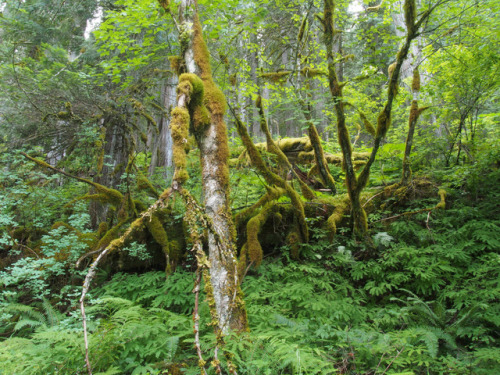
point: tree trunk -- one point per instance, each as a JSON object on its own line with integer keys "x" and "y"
{"x": 161, "y": 145}
{"x": 211, "y": 136}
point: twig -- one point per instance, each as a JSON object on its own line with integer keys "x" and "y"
{"x": 196, "y": 320}
{"x": 86, "y": 286}
{"x": 390, "y": 364}
{"x": 427, "y": 221}
{"x": 405, "y": 214}
{"x": 376, "y": 195}
{"x": 30, "y": 249}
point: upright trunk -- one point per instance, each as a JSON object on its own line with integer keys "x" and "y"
{"x": 356, "y": 184}
{"x": 161, "y": 145}
{"x": 415, "y": 112}
{"x": 211, "y": 135}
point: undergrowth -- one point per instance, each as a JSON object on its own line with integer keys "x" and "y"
{"x": 422, "y": 298}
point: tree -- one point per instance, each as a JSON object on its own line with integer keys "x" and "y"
{"x": 200, "y": 108}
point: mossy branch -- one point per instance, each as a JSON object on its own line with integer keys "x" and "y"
{"x": 113, "y": 196}
{"x": 272, "y": 178}
{"x": 275, "y": 149}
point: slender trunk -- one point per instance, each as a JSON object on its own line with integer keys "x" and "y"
{"x": 211, "y": 136}
{"x": 412, "y": 122}
{"x": 161, "y": 147}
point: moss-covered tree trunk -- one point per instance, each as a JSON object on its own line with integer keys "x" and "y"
{"x": 356, "y": 184}
{"x": 211, "y": 135}
{"x": 415, "y": 112}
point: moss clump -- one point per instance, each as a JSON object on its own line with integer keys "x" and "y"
{"x": 342, "y": 207}
{"x": 176, "y": 64}
{"x": 415, "y": 85}
{"x": 293, "y": 241}
{"x": 276, "y": 77}
{"x": 294, "y": 144}
{"x": 155, "y": 227}
{"x": 143, "y": 184}
{"x": 311, "y": 72}
{"x": 442, "y": 203}
{"x": 254, "y": 225}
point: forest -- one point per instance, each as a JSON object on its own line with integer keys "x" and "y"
{"x": 250, "y": 187}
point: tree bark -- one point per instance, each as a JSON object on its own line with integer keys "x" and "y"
{"x": 211, "y": 136}
{"x": 161, "y": 147}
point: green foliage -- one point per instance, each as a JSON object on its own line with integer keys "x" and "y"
{"x": 419, "y": 297}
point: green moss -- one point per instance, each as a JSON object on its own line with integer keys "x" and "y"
{"x": 155, "y": 227}
{"x": 110, "y": 235}
{"x": 102, "y": 229}
{"x": 302, "y": 29}
{"x": 176, "y": 64}
{"x": 254, "y": 227}
{"x": 342, "y": 207}
{"x": 368, "y": 125}
{"x": 179, "y": 126}
{"x": 143, "y": 184}
{"x": 294, "y": 144}
{"x": 311, "y": 72}
{"x": 410, "y": 9}
{"x": 321, "y": 162}
{"x": 442, "y": 203}
{"x": 383, "y": 122}
{"x": 415, "y": 85}
{"x": 276, "y": 77}
{"x": 273, "y": 193}
{"x": 293, "y": 241}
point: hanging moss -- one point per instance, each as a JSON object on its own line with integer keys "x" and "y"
{"x": 155, "y": 227}
{"x": 111, "y": 196}
{"x": 273, "y": 193}
{"x": 311, "y": 72}
{"x": 276, "y": 77}
{"x": 176, "y": 64}
{"x": 232, "y": 80}
{"x": 254, "y": 225}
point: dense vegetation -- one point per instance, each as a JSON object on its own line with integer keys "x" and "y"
{"x": 362, "y": 216}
